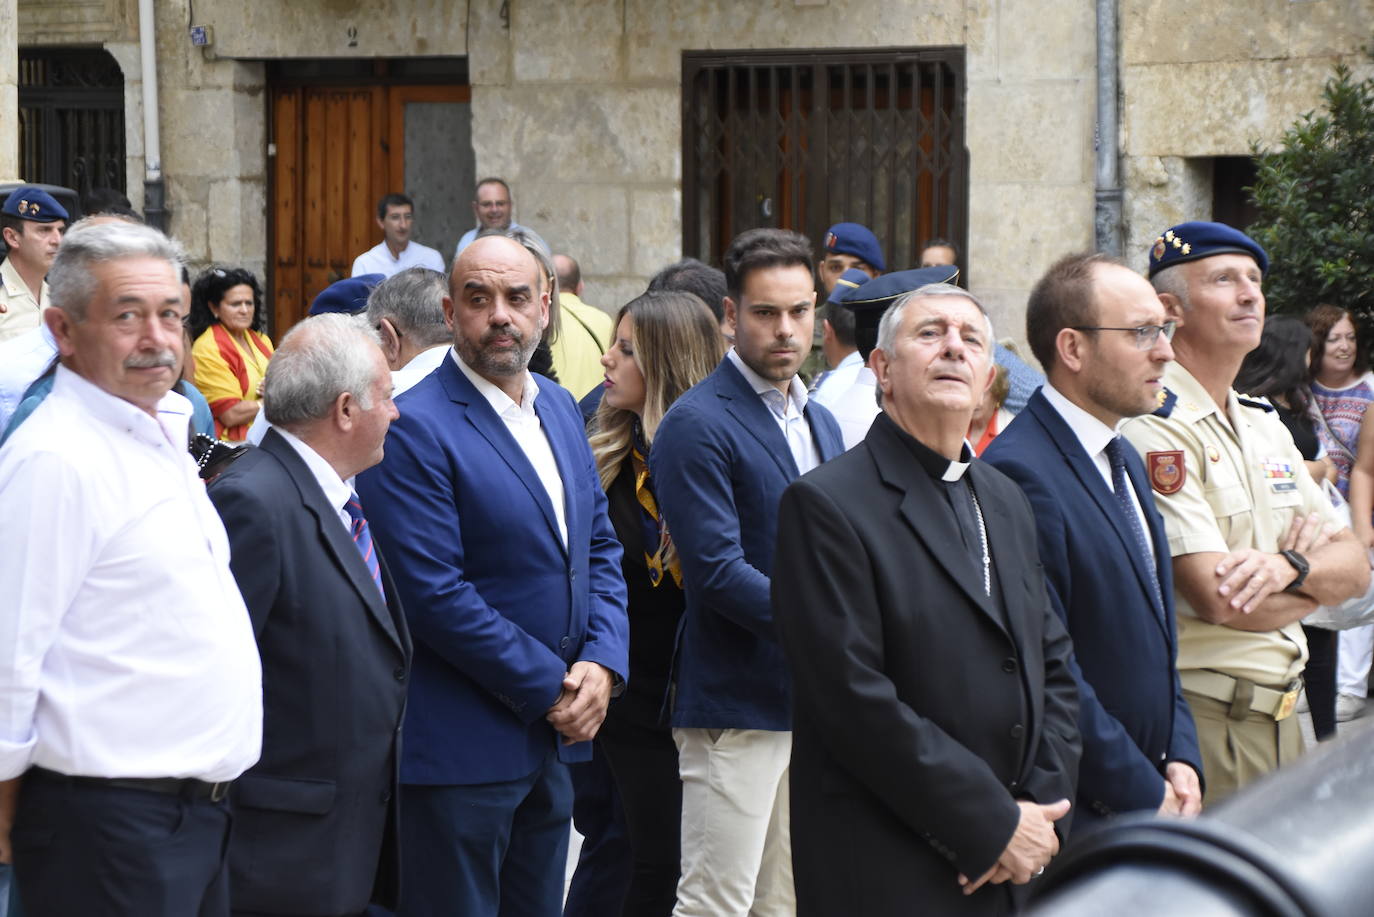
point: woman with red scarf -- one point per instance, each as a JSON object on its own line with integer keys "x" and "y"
{"x": 230, "y": 350}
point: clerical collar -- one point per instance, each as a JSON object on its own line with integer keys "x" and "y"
{"x": 935, "y": 464}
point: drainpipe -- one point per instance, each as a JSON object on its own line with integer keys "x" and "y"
{"x": 154, "y": 190}
{"x": 1107, "y": 220}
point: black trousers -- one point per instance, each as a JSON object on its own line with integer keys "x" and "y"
{"x": 644, "y": 761}
{"x": 1323, "y": 647}
{"x": 102, "y": 851}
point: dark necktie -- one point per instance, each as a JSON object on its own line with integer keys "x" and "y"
{"x": 362, "y": 537}
{"x": 1121, "y": 487}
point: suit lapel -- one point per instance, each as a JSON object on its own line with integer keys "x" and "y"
{"x": 483, "y": 417}
{"x": 332, "y": 533}
{"x": 1090, "y": 479}
{"x": 827, "y": 445}
{"x": 926, "y": 510}
{"x": 745, "y": 405}
{"x": 560, "y": 439}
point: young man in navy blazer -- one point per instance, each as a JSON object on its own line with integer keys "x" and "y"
{"x": 495, "y": 525}
{"x": 1101, "y": 333}
{"x": 722, "y": 457}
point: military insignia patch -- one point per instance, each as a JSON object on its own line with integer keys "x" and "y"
{"x": 1166, "y": 471}
{"x": 1158, "y": 249}
{"x": 830, "y": 240}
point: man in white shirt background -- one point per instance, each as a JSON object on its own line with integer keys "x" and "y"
{"x": 396, "y": 251}
{"x": 407, "y": 310}
{"x": 493, "y": 207}
{"x": 841, "y": 353}
{"x": 130, "y": 687}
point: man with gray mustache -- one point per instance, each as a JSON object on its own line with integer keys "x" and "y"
{"x": 130, "y": 686}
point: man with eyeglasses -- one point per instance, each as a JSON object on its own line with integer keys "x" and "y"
{"x": 1254, "y": 543}
{"x": 1102, "y": 335}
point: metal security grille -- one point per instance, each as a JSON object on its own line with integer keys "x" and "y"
{"x": 71, "y": 119}
{"x": 804, "y": 139}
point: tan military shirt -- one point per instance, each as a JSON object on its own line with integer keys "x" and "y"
{"x": 1224, "y": 482}
{"x": 21, "y": 309}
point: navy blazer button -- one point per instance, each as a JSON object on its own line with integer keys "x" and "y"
{"x": 386, "y": 797}
{"x": 565, "y": 643}
{"x": 1018, "y": 731}
{"x": 1009, "y": 665}
{"x": 400, "y": 673}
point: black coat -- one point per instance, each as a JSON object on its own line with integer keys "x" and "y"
{"x": 315, "y": 819}
{"x": 920, "y": 718}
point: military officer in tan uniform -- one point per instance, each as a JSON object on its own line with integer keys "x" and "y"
{"x": 1254, "y": 542}
{"x": 31, "y": 221}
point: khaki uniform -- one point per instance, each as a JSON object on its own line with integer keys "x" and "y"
{"x": 1242, "y": 483}
{"x": 21, "y": 309}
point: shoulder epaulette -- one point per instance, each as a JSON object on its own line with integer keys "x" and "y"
{"x": 1165, "y": 401}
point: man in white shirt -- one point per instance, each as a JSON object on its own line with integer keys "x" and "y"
{"x": 334, "y": 645}
{"x": 837, "y": 341}
{"x": 396, "y": 251}
{"x": 130, "y": 688}
{"x": 492, "y": 207}
{"x": 408, "y": 312}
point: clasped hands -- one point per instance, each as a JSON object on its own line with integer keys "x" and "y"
{"x": 1030, "y": 849}
{"x": 581, "y": 705}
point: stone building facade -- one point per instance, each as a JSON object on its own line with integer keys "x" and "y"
{"x": 578, "y": 104}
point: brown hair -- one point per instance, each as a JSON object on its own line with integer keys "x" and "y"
{"x": 1062, "y": 298}
{"x": 1321, "y": 320}
{"x": 676, "y": 344}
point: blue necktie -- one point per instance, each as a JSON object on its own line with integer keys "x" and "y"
{"x": 362, "y": 537}
{"x": 1121, "y": 487}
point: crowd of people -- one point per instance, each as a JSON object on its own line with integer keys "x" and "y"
{"x": 494, "y": 560}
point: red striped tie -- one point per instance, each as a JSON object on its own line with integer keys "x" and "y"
{"x": 362, "y": 537}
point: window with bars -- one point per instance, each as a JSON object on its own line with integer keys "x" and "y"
{"x": 804, "y": 139}
{"x": 71, "y": 119}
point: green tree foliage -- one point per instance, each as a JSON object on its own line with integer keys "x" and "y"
{"x": 1315, "y": 194}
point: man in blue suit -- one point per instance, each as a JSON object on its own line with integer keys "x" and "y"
{"x": 1102, "y": 335}
{"x": 723, "y": 455}
{"x": 509, "y": 571}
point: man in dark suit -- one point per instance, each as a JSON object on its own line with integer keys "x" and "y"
{"x": 934, "y": 745}
{"x": 495, "y": 523}
{"x": 721, "y": 459}
{"x": 315, "y": 820}
{"x": 1101, "y": 333}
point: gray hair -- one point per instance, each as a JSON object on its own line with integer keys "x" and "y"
{"x": 1171, "y": 280}
{"x": 413, "y": 300}
{"x": 892, "y": 318}
{"x": 71, "y": 280}
{"x": 319, "y": 359}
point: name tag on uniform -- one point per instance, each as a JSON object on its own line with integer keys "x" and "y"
{"x": 1281, "y": 475}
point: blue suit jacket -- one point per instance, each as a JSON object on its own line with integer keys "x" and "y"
{"x": 1132, "y": 714}
{"x": 498, "y": 608}
{"x": 720, "y": 465}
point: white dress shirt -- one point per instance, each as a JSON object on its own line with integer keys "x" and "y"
{"x": 1094, "y": 435}
{"x": 379, "y": 260}
{"x": 125, "y": 648}
{"x": 420, "y": 365}
{"x": 22, "y": 360}
{"x": 337, "y": 492}
{"x": 788, "y": 412}
{"x": 836, "y": 381}
{"x": 523, "y": 424}
{"x": 856, "y": 407}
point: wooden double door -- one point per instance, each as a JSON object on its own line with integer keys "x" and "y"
{"x": 334, "y": 152}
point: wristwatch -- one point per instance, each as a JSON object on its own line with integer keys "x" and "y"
{"x": 1301, "y": 565}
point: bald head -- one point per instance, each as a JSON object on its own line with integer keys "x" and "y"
{"x": 498, "y": 309}
{"x": 569, "y": 274}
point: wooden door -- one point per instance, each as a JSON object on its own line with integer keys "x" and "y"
{"x": 337, "y": 150}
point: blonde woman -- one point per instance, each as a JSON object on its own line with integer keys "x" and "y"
{"x": 665, "y": 342}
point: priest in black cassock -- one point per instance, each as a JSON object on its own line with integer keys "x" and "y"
{"x": 935, "y": 749}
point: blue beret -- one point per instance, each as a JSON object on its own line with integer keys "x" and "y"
{"x": 34, "y": 204}
{"x": 856, "y": 240}
{"x": 348, "y": 295}
{"x": 846, "y": 283}
{"x": 1191, "y": 241}
{"x": 872, "y": 299}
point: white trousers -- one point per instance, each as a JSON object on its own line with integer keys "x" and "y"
{"x": 736, "y": 841}
{"x": 1353, "y": 659}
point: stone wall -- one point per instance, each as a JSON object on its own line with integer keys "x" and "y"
{"x": 9, "y": 87}
{"x": 1199, "y": 86}
{"x": 588, "y": 131}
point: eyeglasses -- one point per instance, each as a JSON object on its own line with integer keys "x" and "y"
{"x": 1146, "y": 336}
